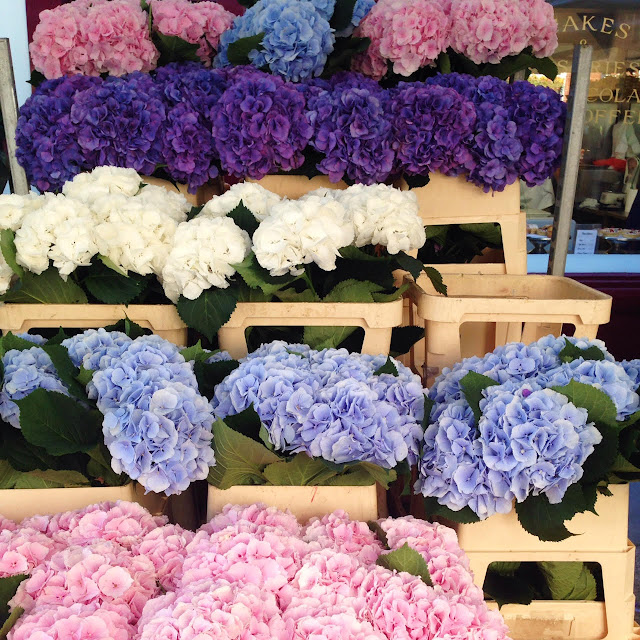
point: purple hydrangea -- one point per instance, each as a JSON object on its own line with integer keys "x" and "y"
{"x": 353, "y": 130}
{"x": 463, "y": 83}
{"x": 297, "y": 37}
{"x": 24, "y": 372}
{"x": 119, "y": 122}
{"x": 47, "y": 143}
{"x": 260, "y": 126}
{"x": 192, "y": 94}
{"x": 328, "y": 403}
{"x": 432, "y": 128}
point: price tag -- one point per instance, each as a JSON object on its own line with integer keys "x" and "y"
{"x": 586, "y": 240}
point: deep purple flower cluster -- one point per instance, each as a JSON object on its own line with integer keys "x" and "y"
{"x": 260, "y": 125}
{"x": 192, "y": 94}
{"x": 46, "y": 138}
{"x": 353, "y": 130}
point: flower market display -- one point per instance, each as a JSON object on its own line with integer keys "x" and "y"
{"x": 110, "y": 238}
{"x": 550, "y": 423}
{"x": 114, "y": 572}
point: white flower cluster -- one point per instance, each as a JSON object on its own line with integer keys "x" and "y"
{"x": 255, "y": 197}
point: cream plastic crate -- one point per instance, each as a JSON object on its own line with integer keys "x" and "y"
{"x": 601, "y": 539}
{"x": 18, "y": 504}
{"x": 361, "y": 503}
{"x": 377, "y": 319}
{"x": 201, "y": 197}
{"x": 543, "y": 303}
{"x": 160, "y": 318}
{"x": 294, "y": 187}
{"x": 449, "y": 200}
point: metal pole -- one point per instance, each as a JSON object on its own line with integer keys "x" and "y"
{"x": 576, "y": 114}
{"x": 9, "y": 107}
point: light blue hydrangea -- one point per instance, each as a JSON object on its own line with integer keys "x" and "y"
{"x": 162, "y": 437}
{"x": 632, "y": 369}
{"x": 325, "y": 8}
{"x": 24, "y": 372}
{"x": 219, "y": 356}
{"x": 297, "y": 40}
{"x": 361, "y": 9}
{"x": 609, "y": 377}
{"x": 94, "y": 349}
{"x": 31, "y": 337}
{"x": 328, "y": 403}
{"x": 553, "y": 345}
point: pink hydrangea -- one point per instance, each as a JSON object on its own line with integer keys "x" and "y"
{"x": 410, "y": 35}
{"x": 224, "y": 611}
{"x": 166, "y": 547}
{"x": 340, "y": 626}
{"x": 337, "y": 531}
{"x": 23, "y": 550}
{"x": 7, "y": 525}
{"x": 91, "y": 37}
{"x": 77, "y": 621}
{"x": 543, "y": 28}
{"x": 488, "y": 30}
{"x": 202, "y": 23}
{"x": 264, "y": 518}
{"x": 96, "y": 574}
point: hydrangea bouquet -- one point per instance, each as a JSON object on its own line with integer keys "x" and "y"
{"x": 114, "y": 572}
{"x": 101, "y": 409}
{"x": 547, "y": 426}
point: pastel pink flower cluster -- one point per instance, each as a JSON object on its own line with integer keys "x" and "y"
{"x": 113, "y": 571}
{"x": 92, "y": 37}
{"x": 202, "y": 23}
{"x": 412, "y": 34}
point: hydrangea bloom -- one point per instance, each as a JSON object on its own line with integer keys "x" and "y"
{"x": 95, "y": 348}
{"x": 408, "y": 35}
{"x": 632, "y": 369}
{"x": 91, "y": 37}
{"x": 13, "y": 209}
{"x": 102, "y": 181}
{"x": 254, "y": 196}
{"x": 203, "y": 252}
{"x": 328, "y": 403}
{"x": 297, "y": 37}
{"x": 23, "y": 549}
{"x": 360, "y": 11}
{"x": 260, "y": 126}
{"x": 543, "y": 28}
{"x": 24, "y": 372}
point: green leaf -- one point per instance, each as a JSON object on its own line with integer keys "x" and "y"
{"x": 436, "y": 280}
{"x": 129, "y": 328}
{"x": 300, "y": 471}
{"x": 246, "y": 422}
{"x": 464, "y": 516}
{"x": 85, "y": 376}
{"x": 10, "y": 622}
{"x": 387, "y": 367}
{"x": 8, "y": 475}
{"x": 545, "y": 520}
{"x": 99, "y": 468}
{"x": 58, "y": 423}
{"x": 326, "y": 337}
{"x": 353, "y": 291}
{"x": 428, "y": 407}
{"x": 238, "y": 51}
{"x": 66, "y": 370}
{"x": 417, "y": 181}
{"x": 110, "y": 287}
{"x": 569, "y": 580}
{"x": 210, "y": 375}
{"x": 175, "y": 49}
{"x": 505, "y": 568}
{"x": 8, "y": 247}
{"x": 47, "y": 288}
{"x": 10, "y": 341}
{"x": 196, "y": 352}
{"x": 509, "y": 66}
{"x": 264, "y": 437}
{"x": 403, "y": 338}
{"x": 380, "y": 533}
{"x": 24, "y": 456}
{"x": 36, "y": 79}
{"x": 108, "y": 262}
{"x": 444, "y": 62}
{"x": 258, "y": 278}
{"x": 598, "y": 404}
{"x": 410, "y": 264}
{"x": 194, "y": 212}
{"x": 507, "y": 588}
{"x": 406, "y": 559}
{"x": 572, "y": 352}
{"x": 390, "y": 297}
{"x": 489, "y": 232}
{"x": 344, "y": 49}
{"x": 354, "y": 474}
{"x": 209, "y": 311}
{"x": 472, "y": 385}
{"x": 239, "y": 460}
{"x": 291, "y": 295}
{"x": 352, "y": 478}
{"x": 59, "y": 338}
{"x": 8, "y": 588}
{"x": 342, "y": 14}
{"x": 547, "y": 67}
{"x": 244, "y": 218}
{"x": 51, "y": 479}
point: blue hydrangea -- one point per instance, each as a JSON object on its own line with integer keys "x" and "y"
{"x": 162, "y": 438}
{"x": 328, "y": 403}
{"x": 24, "y": 372}
{"x": 553, "y": 345}
{"x": 324, "y": 7}
{"x": 219, "y": 356}
{"x": 609, "y": 377}
{"x": 297, "y": 40}
{"x": 30, "y": 337}
{"x": 95, "y": 348}
{"x": 632, "y": 369}
{"x": 361, "y": 9}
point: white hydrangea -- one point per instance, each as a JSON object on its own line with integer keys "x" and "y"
{"x": 13, "y": 208}
{"x": 204, "y": 250}
{"x": 173, "y": 203}
{"x": 255, "y": 197}
{"x": 134, "y": 236}
{"x": 299, "y": 232}
{"x": 6, "y": 274}
{"x": 102, "y": 181}
{"x": 61, "y": 230}
{"x": 384, "y": 215}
